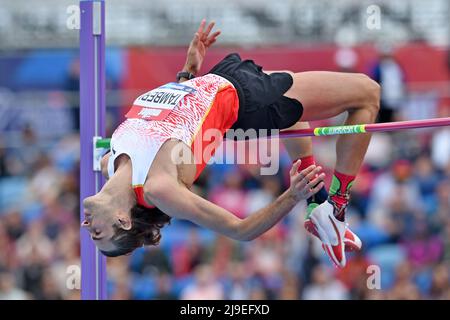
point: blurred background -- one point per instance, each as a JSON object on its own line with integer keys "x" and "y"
{"x": 400, "y": 202}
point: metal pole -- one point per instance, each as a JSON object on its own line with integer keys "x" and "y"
{"x": 92, "y": 112}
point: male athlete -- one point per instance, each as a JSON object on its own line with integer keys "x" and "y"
{"x": 148, "y": 185}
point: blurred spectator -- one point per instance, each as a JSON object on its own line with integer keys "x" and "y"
{"x": 290, "y": 289}
{"x": 153, "y": 261}
{"x": 439, "y": 286}
{"x": 9, "y": 289}
{"x": 423, "y": 249}
{"x": 204, "y": 287}
{"x": 3, "y": 160}
{"x": 404, "y": 288}
{"x": 355, "y": 274}
{"x": 34, "y": 243}
{"x": 32, "y": 273}
{"x": 14, "y": 224}
{"x": 7, "y": 249}
{"x": 72, "y": 86}
{"x": 395, "y": 198}
{"x": 324, "y": 286}
{"x": 49, "y": 289}
{"x": 258, "y": 293}
{"x": 427, "y": 179}
{"x": 446, "y": 237}
{"x": 238, "y": 287}
{"x": 390, "y": 75}
{"x": 440, "y": 146}
{"x": 188, "y": 255}
{"x": 164, "y": 287}
{"x": 30, "y": 150}
{"x": 122, "y": 289}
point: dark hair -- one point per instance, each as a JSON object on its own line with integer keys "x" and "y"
{"x": 145, "y": 231}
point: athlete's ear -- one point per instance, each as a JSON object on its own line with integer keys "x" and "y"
{"x": 124, "y": 221}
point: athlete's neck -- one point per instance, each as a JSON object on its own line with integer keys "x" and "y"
{"x": 118, "y": 189}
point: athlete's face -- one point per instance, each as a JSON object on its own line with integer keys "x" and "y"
{"x": 99, "y": 221}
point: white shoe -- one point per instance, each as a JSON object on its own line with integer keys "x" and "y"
{"x": 331, "y": 232}
{"x": 351, "y": 239}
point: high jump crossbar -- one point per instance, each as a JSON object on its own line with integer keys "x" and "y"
{"x": 340, "y": 130}
{"x": 364, "y": 128}
{"x": 92, "y": 125}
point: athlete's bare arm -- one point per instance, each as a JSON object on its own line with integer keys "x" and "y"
{"x": 174, "y": 198}
{"x": 202, "y": 40}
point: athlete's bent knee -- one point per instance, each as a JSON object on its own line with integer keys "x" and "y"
{"x": 371, "y": 91}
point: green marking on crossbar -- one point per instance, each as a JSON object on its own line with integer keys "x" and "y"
{"x": 328, "y": 131}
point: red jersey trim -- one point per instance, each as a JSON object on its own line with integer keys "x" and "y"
{"x": 222, "y": 114}
{"x": 139, "y": 192}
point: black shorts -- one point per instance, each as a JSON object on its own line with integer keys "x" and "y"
{"x": 261, "y": 101}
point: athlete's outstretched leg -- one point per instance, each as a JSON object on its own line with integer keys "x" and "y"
{"x": 301, "y": 148}
{"x": 325, "y": 95}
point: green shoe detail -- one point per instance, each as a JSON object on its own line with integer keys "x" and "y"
{"x": 310, "y": 208}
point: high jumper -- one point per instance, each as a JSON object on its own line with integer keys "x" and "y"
{"x": 149, "y": 180}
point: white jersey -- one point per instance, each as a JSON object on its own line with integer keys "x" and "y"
{"x": 172, "y": 111}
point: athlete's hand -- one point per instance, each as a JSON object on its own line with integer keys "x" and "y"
{"x": 305, "y": 183}
{"x": 197, "y": 49}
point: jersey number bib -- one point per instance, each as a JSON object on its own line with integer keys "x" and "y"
{"x": 158, "y": 103}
